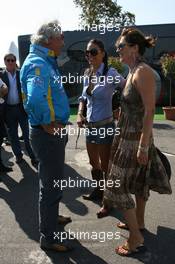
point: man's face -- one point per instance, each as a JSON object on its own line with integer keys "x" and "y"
{"x": 10, "y": 63}
{"x": 56, "y": 44}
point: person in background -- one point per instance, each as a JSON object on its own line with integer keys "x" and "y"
{"x": 14, "y": 111}
{"x": 133, "y": 151}
{"x": 3, "y": 92}
{"x": 100, "y": 81}
{"x": 47, "y": 106}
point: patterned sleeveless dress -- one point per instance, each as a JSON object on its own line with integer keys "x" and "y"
{"x": 123, "y": 166}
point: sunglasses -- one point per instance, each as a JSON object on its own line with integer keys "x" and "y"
{"x": 93, "y": 52}
{"x": 10, "y": 60}
{"x": 122, "y": 45}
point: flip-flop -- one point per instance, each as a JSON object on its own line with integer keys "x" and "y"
{"x": 124, "y": 226}
{"x": 130, "y": 253}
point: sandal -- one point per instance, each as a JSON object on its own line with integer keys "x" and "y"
{"x": 124, "y": 250}
{"x": 95, "y": 195}
{"x": 124, "y": 226}
{"x": 103, "y": 212}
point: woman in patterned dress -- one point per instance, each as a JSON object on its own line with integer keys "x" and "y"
{"x": 133, "y": 151}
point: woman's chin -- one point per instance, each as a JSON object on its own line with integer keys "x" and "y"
{"x": 123, "y": 60}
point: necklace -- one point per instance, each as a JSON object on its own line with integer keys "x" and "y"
{"x": 138, "y": 61}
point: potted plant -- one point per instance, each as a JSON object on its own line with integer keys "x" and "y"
{"x": 116, "y": 63}
{"x": 168, "y": 66}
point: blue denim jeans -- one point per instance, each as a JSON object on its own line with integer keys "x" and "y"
{"x": 101, "y": 135}
{"x": 50, "y": 152}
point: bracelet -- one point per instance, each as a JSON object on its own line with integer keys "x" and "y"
{"x": 143, "y": 149}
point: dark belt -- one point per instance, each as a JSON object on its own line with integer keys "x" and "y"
{"x": 100, "y": 123}
{"x": 40, "y": 127}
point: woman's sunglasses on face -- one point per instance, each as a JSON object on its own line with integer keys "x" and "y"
{"x": 122, "y": 45}
{"x": 10, "y": 60}
{"x": 93, "y": 52}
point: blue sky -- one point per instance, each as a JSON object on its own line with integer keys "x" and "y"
{"x": 150, "y": 11}
{"x": 22, "y": 17}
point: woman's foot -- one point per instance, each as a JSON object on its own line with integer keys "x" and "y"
{"x": 125, "y": 251}
{"x": 104, "y": 211}
{"x": 131, "y": 247}
{"x": 125, "y": 226}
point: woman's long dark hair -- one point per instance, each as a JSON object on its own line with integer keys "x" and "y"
{"x": 100, "y": 44}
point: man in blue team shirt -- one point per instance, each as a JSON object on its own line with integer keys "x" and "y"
{"x": 47, "y": 106}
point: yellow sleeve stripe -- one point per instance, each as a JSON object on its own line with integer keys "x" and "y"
{"x": 23, "y": 96}
{"x": 51, "y": 53}
{"x": 37, "y": 71}
{"x": 50, "y": 103}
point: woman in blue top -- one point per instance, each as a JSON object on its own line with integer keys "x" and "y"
{"x": 100, "y": 82}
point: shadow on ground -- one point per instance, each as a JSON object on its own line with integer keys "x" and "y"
{"x": 160, "y": 247}
{"x": 163, "y": 126}
{"x": 22, "y": 198}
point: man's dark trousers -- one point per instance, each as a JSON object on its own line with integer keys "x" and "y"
{"x": 2, "y": 127}
{"x": 16, "y": 115}
{"x": 50, "y": 152}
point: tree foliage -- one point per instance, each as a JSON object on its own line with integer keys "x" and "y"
{"x": 104, "y": 12}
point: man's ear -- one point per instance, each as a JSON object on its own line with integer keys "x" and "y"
{"x": 49, "y": 40}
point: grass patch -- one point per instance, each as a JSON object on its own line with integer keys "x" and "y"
{"x": 73, "y": 114}
{"x": 159, "y": 115}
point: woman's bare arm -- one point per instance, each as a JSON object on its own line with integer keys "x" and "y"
{"x": 145, "y": 84}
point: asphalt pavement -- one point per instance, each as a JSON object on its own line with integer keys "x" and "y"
{"x": 94, "y": 239}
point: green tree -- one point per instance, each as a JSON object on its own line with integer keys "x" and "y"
{"x": 104, "y": 12}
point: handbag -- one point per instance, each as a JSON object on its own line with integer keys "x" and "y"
{"x": 165, "y": 163}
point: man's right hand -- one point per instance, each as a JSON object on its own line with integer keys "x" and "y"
{"x": 49, "y": 129}
{"x": 53, "y": 128}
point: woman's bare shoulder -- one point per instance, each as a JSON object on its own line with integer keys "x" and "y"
{"x": 144, "y": 76}
{"x": 143, "y": 69}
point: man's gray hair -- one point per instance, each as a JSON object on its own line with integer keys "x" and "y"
{"x": 47, "y": 30}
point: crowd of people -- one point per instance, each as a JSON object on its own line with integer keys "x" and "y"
{"x": 12, "y": 112}
{"x": 39, "y": 99}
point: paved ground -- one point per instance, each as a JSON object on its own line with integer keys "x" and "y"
{"x": 19, "y": 221}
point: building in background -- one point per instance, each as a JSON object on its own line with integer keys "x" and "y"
{"x": 72, "y": 61}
